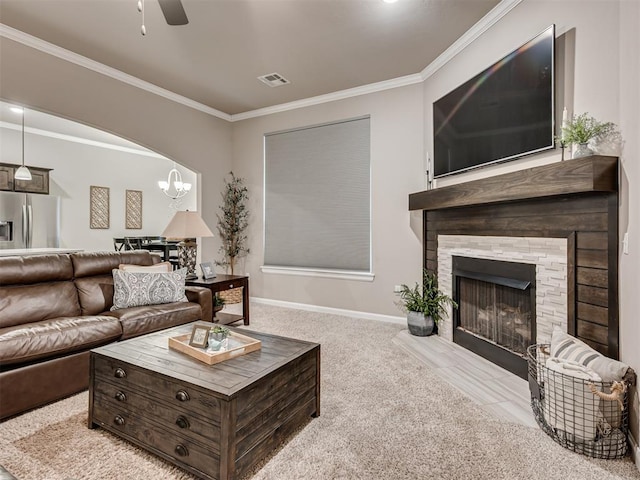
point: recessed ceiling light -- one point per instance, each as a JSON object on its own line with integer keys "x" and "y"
{"x": 389, "y": 1}
{"x": 16, "y": 109}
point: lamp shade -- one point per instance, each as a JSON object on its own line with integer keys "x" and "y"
{"x": 22, "y": 173}
{"x": 186, "y": 224}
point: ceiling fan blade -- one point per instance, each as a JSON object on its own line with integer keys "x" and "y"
{"x": 173, "y": 12}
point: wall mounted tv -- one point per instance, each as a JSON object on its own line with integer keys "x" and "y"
{"x": 504, "y": 112}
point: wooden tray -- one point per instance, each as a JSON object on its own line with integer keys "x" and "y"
{"x": 238, "y": 345}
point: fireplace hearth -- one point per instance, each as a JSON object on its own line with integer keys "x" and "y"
{"x": 496, "y": 310}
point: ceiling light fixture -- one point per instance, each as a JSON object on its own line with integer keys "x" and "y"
{"x": 180, "y": 188}
{"x": 389, "y": 1}
{"x": 23, "y": 172}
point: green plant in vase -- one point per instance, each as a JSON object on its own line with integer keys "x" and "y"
{"x": 218, "y": 304}
{"x": 218, "y": 336}
{"x": 582, "y": 129}
{"x": 425, "y": 305}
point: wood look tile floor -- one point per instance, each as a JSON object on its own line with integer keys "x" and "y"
{"x": 491, "y": 387}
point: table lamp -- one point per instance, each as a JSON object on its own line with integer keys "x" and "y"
{"x": 188, "y": 226}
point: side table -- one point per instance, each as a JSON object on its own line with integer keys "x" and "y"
{"x": 220, "y": 283}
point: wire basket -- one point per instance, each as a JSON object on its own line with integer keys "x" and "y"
{"x": 566, "y": 408}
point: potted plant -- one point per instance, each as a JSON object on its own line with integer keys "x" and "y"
{"x": 233, "y": 223}
{"x": 218, "y": 337}
{"x": 424, "y": 306}
{"x": 218, "y": 304}
{"x": 582, "y": 129}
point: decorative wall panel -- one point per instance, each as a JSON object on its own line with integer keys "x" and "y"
{"x": 99, "y": 207}
{"x": 133, "y": 209}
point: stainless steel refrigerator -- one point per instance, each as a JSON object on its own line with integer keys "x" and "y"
{"x": 29, "y": 221}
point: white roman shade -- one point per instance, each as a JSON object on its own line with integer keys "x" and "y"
{"x": 317, "y": 197}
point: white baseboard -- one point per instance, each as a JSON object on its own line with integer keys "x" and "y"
{"x": 335, "y": 311}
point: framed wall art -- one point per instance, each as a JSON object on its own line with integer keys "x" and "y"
{"x": 98, "y": 207}
{"x": 133, "y": 204}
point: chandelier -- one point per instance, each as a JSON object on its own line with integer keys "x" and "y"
{"x": 174, "y": 187}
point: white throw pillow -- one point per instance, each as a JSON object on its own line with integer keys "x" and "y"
{"x": 163, "y": 267}
{"x": 139, "y": 289}
{"x": 567, "y": 347}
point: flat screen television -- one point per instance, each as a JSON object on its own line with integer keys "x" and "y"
{"x": 504, "y": 112}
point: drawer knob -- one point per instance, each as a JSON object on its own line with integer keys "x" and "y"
{"x": 120, "y": 373}
{"x": 118, "y": 420}
{"x": 181, "y": 450}
{"x": 121, "y": 397}
{"x": 182, "y": 422}
{"x": 231, "y": 285}
{"x": 182, "y": 396}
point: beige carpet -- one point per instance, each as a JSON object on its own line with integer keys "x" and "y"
{"x": 384, "y": 416}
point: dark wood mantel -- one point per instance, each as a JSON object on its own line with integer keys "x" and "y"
{"x": 574, "y": 199}
{"x": 581, "y": 175}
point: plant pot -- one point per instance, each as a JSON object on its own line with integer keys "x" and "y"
{"x": 419, "y": 324}
{"x": 583, "y": 150}
{"x": 217, "y": 341}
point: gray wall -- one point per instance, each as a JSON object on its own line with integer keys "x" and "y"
{"x": 598, "y": 75}
{"x": 605, "y": 84}
{"x": 76, "y": 166}
{"x": 396, "y": 170}
{"x": 194, "y": 139}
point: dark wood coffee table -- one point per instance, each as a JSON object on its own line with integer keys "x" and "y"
{"x": 216, "y": 421}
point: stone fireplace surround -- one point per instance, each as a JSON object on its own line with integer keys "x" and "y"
{"x": 568, "y": 210}
{"x": 549, "y": 255}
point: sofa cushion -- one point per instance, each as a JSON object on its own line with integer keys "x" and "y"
{"x": 140, "y": 320}
{"x": 26, "y": 270}
{"x": 22, "y": 304}
{"x": 164, "y": 267}
{"x": 44, "y": 339}
{"x": 87, "y": 264}
{"x": 95, "y": 294}
{"x": 139, "y": 289}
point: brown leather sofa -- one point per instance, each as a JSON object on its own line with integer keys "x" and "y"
{"x": 55, "y": 308}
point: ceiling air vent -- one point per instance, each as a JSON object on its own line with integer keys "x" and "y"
{"x": 273, "y": 79}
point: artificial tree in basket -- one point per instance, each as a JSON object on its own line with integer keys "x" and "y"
{"x": 233, "y": 223}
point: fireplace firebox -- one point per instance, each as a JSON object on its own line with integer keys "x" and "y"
{"x": 496, "y": 314}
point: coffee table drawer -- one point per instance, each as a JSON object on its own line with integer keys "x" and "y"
{"x": 174, "y": 392}
{"x": 179, "y": 449}
{"x": 182, "y": 421}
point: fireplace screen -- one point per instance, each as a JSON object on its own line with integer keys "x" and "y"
{"x": 499, "y": 314}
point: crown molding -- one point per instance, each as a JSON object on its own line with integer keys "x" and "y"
{"x": 331, "y": 97}
{"x": 64, "y": 54}
{"x": 484, "y": 24}
{"x": 83, "y": 141}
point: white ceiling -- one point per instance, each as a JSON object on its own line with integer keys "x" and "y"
{"x": 321, "y": 46}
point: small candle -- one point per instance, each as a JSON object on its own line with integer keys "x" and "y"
{"x": 564, "y": 122}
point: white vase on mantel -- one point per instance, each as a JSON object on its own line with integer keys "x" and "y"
{"x": 582, "y": 150}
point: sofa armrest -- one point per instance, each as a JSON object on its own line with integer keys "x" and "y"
{"x": 202, "y": 296}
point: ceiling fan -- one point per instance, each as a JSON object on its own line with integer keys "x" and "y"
{"x": 172, "y": 10}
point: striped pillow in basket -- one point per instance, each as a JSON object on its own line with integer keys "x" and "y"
{"x": 566, "y": 347}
